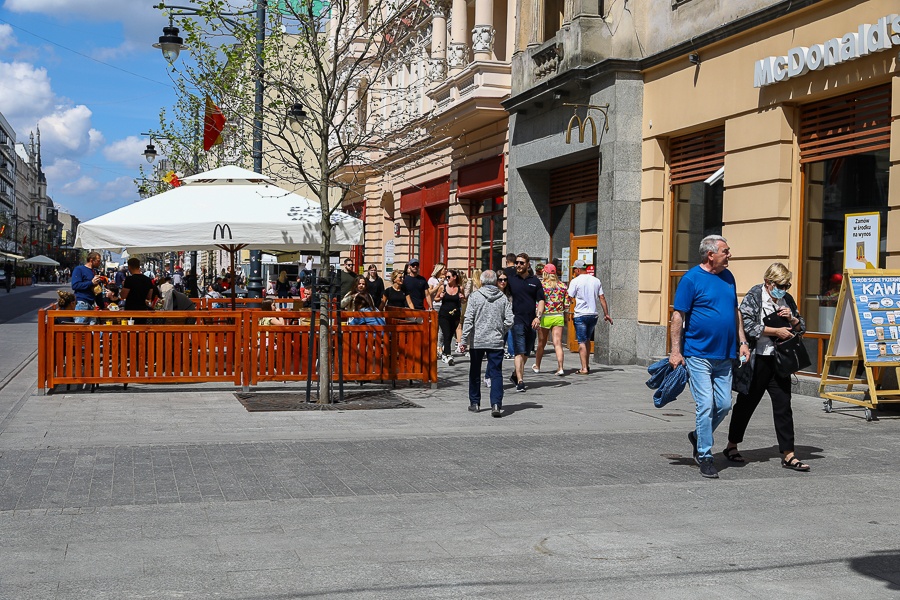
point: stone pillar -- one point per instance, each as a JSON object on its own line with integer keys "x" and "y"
{"x": 458, "y": 56}
{"x": 437, "y": 65}
{"x": 483, "y": 33}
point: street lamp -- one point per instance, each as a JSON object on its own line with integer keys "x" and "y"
{"x": 170, "y": 42}
{"x": 150, "y": 152}
{"x": 295, "y": 117}
{"x": 170, "y": 33}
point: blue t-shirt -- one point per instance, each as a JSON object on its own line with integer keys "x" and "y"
{"x": 708, "y": 302}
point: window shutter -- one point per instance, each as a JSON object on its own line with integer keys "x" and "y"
{"x": 696, "y": 157}
{"x": 851, "y": 124}
{"x": 575, "y": 183}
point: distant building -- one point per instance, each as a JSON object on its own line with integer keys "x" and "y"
{"x": 7, "y": 186}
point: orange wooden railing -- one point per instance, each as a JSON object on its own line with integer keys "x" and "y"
{"x": 217, "y": 345}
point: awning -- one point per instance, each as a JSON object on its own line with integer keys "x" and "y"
{"x": 12, "y": 256}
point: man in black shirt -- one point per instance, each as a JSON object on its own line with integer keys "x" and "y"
{"x": 348, "y": 276}
{"x": 136, "y": 288}
{"x": 415, "y": 286}
{"x": 528, "y": 306}
{"x": 510, "y": 269}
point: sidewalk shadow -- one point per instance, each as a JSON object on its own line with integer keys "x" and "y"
{"x": 531, "y": 384}
{"x": 804, "y": 453}
{"x": 764, "y": 455}
{"x": 514, "y": 408}
{"x": 883, "y": 565}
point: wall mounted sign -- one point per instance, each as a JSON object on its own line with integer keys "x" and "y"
{"x": 862, "y": 235}
{"x": 868, "y": 39}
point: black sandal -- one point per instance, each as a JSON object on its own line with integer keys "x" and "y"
{"x": 733, "y": 455}
{"x": 794, "y": 464}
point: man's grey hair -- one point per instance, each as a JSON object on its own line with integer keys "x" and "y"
{"x": 710, "y": 244}
{"x": 489, "y": 278}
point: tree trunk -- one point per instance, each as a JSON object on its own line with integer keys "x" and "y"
{"x": 325, "y": 365}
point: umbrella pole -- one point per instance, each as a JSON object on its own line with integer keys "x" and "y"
{"x": 232, "y": 252}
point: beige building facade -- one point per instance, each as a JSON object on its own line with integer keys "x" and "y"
{"x": 771, "y": 137}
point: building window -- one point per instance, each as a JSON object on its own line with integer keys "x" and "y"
{"x": 553, "y": 18}
{"x": 487, "y": 234}
{"x": 835, "y": 188}
{"x": 414, "y": 224}
{"x": 844, "y": 149}
{"x": 696, "y": 204}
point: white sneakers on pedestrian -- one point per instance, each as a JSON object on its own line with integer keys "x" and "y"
{"x": 447, "y": 359}
{"x": 535, "y": 368}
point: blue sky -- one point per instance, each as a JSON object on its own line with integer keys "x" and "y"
{"x": 91, "y": 114}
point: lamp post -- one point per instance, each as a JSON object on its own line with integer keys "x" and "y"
{"x": 171, "y": 44}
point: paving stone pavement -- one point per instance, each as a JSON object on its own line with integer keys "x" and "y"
{"x": 582, "y": 491}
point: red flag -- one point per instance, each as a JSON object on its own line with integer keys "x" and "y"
{"x": 213, "y": 125}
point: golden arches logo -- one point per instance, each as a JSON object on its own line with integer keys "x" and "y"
{"x": 582, "y": 125}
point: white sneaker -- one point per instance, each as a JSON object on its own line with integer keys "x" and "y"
{"x": 444, "y": 358}
{"x": 450, "y": 360}
{"x": 535, "y": 368}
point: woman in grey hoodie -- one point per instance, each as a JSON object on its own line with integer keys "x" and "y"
{"x": 488, "y": 317}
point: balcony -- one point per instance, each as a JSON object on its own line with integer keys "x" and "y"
{"x": 471, "y": 99}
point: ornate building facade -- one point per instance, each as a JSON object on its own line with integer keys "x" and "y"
{"x": 440, "y": 195}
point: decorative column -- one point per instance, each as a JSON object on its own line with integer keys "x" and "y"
{"x": 458, "y": 56}
{"x": 437, "y": 66}
{"x": 483, "y": 34}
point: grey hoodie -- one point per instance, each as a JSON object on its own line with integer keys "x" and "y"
{"x": 488, "y": 317}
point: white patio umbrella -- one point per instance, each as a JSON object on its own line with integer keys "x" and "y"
{"x": 41, "y": 261}
{"x": 228, "y": 206}
{"x": 229, "y": 209}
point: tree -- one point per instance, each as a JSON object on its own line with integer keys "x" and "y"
{"x": 332, "y": 64}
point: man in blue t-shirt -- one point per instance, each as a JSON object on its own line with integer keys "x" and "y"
{"x": 84, "y": 278}
{"x": 706, "y": 315}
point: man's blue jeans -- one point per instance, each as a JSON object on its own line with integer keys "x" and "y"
{"x": 710, "y": 382}
{"x": 494, "y": 373}
{"x": 82, "y": 305}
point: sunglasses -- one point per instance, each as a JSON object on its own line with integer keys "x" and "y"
{"x": 520, "y": 262}
{"x": 785, "y": 286}
{"x": 503, "y": 279}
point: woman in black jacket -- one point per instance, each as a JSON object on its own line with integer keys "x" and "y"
{"x": 762, "y": 301}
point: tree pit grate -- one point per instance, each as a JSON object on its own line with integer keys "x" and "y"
{"x": 292, "y": 401}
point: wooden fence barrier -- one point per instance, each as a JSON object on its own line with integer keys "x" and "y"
{"x": 217, "y": 345}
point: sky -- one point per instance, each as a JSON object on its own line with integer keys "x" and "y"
{"x": 85, "y": 71}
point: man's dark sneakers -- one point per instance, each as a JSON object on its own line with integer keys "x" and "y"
{"x": 496, "y": 412}
{"x": 473, "y": 408}
{"x": 692, "y": 438}
{"x": 520, "y": 387}
{"x": 513, "y": 379}
{"x": 708, "y": 470}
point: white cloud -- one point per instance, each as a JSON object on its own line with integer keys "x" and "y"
{"x": 128, "y": 151}
{"x": 141, "y": 23}
{"x": 66, "y": 130}
{"x": 97, "y": 140}
{"x": 81, "y": 186}
{"x": 120, "y": 189}
{"x": 7, "y": 38}
{"x": 62, "y": 169}
{"x": 25, "y": 94}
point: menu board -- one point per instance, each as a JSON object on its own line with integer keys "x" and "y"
{"x": 877, "y": 300}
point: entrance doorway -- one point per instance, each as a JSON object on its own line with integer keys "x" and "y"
{"x": 583, "y": 247}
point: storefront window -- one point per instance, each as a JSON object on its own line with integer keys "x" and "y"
{"x": 415, "y": 233}
{"x": 488, "y": 234}
{"x": 567, "y": 220}
{"x": 835, "y": 188}
{"x": 698, "y": 213}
